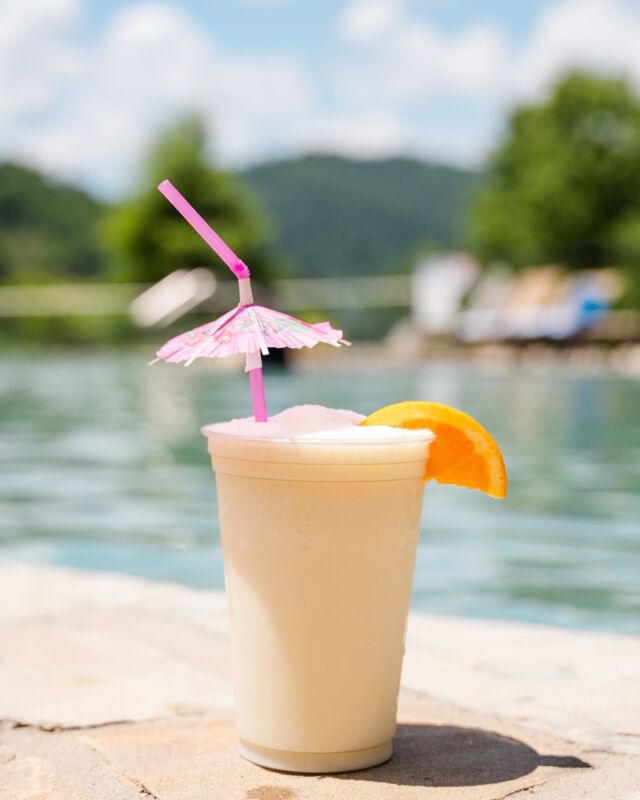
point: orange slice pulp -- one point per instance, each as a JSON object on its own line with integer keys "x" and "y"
{"x": 463, "y": 453}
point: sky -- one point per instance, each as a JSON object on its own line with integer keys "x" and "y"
{"x": 85, "y": 85}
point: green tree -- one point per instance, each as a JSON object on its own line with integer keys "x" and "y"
{"x": 564, "y": 186}
{"x": 147, "y": 236}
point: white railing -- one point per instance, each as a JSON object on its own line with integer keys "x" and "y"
{"x": 291, "y": 294}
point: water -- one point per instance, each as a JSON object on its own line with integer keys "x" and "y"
{"x": 104, "y": 469}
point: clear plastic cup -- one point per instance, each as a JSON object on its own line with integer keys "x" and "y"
{"x": 319, "y": 541}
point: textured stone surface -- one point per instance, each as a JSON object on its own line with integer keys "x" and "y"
{"x": 86, "y": 649}
{"x": 193, "y": 758}
{"x": 114, "y": 687}
{"x": 584, "y": 686}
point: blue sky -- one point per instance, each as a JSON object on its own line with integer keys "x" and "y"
{"x": 86, "y": 84}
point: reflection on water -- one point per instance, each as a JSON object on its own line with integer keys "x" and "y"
{"x": 105, "y": 469}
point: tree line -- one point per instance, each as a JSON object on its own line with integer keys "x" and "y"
{"x": 562, "y": 187}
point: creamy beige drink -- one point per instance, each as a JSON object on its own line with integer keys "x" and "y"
{"x": 319, "y": 521}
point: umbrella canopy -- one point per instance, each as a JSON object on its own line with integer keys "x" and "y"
{"x": 248, "y": 328}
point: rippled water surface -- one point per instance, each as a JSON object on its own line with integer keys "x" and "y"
{"x": 104, "y": 468}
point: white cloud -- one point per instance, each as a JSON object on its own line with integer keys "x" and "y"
{"x": 397, "y": 62}
{"x": 403, "y": 59}
{"x": 265, "y": 3}
{"x": 368, "y": 134}
{"x": 600, "y": 35}
{"x": 368, "y": 20}
{"x": 32, "y": 46}
{"x": 86, "y": 109}
{"x": 93, "y": 109}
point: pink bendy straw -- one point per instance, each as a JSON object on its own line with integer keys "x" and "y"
{"x": 240, "y": 270}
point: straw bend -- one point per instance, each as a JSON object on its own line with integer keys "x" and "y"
{"x": 202, "y": 227}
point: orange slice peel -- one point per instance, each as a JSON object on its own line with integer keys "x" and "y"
{"x": 463, "y": 453}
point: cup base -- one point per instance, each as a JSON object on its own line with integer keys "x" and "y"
{"x": 315, "y": 763}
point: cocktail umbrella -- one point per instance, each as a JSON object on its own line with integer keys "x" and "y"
{"x": 248, "y": 328}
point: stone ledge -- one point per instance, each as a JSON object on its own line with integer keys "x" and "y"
{"x": 119, "y": 687}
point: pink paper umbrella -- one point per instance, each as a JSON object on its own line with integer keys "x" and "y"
{"x": 248, "y": 328}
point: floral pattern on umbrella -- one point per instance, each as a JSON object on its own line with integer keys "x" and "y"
{"x": 248, "y": 328}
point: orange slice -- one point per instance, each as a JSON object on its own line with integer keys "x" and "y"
{"x": 463, "y": 453}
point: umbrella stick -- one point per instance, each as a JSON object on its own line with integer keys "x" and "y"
{"x": 257, "y": 395}
{"x": 254, "y": 362}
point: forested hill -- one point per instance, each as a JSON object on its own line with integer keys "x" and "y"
{"x": 48, "y": 230}
{"x": 338, "y": 216}
{"x": 331, "y": 216}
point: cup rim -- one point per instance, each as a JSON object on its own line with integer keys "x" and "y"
{"x": 419, "y": 436}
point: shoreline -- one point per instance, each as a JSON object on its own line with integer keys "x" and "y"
{"x": 153, "y": 548}
{"x": 580, "y": 358}
{"x": 403, "y": 352}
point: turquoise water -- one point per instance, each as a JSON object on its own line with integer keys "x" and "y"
{"x": 104, "y": 469}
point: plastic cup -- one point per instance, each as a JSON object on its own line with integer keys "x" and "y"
{"x": 319, "y": 541}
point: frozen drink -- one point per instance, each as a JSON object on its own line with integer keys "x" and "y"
{"x": 319, "y": 521}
